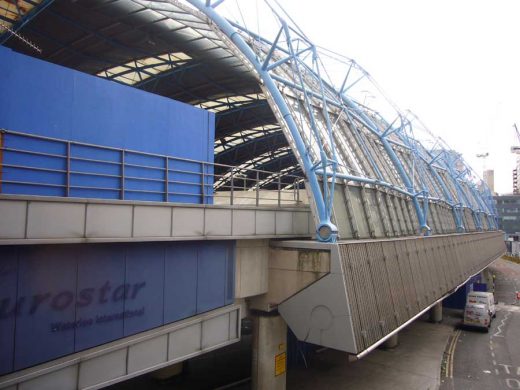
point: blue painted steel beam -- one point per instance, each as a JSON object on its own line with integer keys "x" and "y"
{"x": 459, "y": 226}
{"x": 461, "y": 193}
{"x": 24, "y": 20}
{"x": 314, "y": 185}
{"x": 423, "y": 227}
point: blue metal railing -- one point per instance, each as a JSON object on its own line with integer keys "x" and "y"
{"x": 36, "y": 165}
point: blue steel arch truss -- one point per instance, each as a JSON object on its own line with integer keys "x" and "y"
{"x": 424, "y": 176}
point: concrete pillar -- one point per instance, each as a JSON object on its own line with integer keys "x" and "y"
{"x": 391, "y": 342}
{"x": 489, "y": 279}
{"x": 269, "y": 352}
{"x": 436, "y": 313}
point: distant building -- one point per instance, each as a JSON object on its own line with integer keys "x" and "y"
{"x": 489, "y": 179}
{"x": 516, "y": 190}
{"x": 508, "y": 209}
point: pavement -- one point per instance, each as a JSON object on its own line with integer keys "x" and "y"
{"x": 414, "y": 364}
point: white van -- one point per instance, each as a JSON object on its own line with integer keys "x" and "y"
{"x": 483, "y": 298}
{"x": 477, "y": 315}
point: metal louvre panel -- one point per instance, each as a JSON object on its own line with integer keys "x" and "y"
{"x": 435, "y": 223}
{"x": 380, "y": 278}
{"x": 443, "y": 265}
{"x": 406, "y": 274}
{"x": 428, "y": 259}
{"x": 383, "y": 211}
{"x": 363, "y": 295}
{"x": 390, "y": 281}
{"x": 391, "y": 215}
{"x": 378, "y": 220}
{"x": 396, "y": 285}
{"x": 400, "y": 216}
{"x": 438, "y": 263}
{"x": 408, "y": 222}
{"x": 451, "y": 259}
{"x": 412, "y": 213}
{"x": 350, "y": 275}
{"x": 417, "y": 274}
{"x": 460, "y": 255}
{"x": 357, "y": 205}
{"x": 341, "y": 214}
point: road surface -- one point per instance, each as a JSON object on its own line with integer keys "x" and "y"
{"x": 482, "y": 361}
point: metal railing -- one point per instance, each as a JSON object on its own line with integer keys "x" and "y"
{"x": 37, "y": 165}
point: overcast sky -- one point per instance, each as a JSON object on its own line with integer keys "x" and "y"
{"x": 456, "y": 64}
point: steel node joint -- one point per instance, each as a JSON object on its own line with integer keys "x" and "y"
{"x": 327, "y": 232}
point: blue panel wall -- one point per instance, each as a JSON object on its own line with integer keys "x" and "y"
{"x": 60, "y": 299}
{"x": 46, "y": 290}
{"x": 8, "y": 290}
{"x": 181, "y": 272}
{"x": 44, "y": 99}
{"x": 145, "y": 285}
{"x": 457, "y": 300}
{"x": 100, "y": 280}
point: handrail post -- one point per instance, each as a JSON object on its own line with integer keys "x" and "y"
{"x": 232, "y": 186}
{"x": 67, "y": 189}
{"x": 203, "y": 165}
{"x": 122, "y": 195}
{"x": 279, "y": 190}
{"x": 257, "y": 188}
{"x": 166, "y": 180}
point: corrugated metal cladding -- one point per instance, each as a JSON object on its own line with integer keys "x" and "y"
{"x": 59, "y": 299}
{"x": 363, "y": 212}
{"x": 388, "y": 282}
{"x": 43, "y": 99}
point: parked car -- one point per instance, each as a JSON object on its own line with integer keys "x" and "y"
{"x": 477, "y": 315}
{"x": 483, "y": 298}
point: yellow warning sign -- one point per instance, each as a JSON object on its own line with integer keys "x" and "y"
{"x": 280, "y": 363}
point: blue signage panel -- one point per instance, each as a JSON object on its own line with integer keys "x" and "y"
{"x": 59, "y": 299}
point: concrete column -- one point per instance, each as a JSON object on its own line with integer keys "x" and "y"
{"x": 436, "y": 313}
{"x": 489, "y": 279}
{"x": 269, "y": 352}
{"x": 391, "y": 342}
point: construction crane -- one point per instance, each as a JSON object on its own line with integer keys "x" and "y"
{"x": 516, "y": 150}
{"x": 483, "y": 156}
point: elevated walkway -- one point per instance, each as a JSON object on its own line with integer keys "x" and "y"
{"x": 373, "y": 288}
{"x": 36, "y": 220}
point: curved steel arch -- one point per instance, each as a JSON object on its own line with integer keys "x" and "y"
{"x": 322, "y": 194}
{"x": 305, "y": 105}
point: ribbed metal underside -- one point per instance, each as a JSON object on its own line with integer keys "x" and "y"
{"x": 388, "y": 282}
